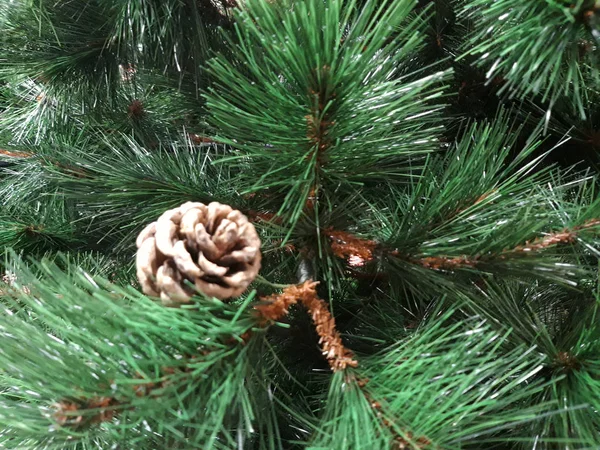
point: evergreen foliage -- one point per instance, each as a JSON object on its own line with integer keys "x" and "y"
{"x": 432, "y": 165}
{"x": 547, "y": 54}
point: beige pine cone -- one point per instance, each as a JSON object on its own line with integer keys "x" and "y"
{"x": 214, "y": 247}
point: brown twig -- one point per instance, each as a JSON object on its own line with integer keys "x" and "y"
{"x": 12, "y": 154}
{"x": 317, "y": 122}
{"x": 276, "y": 306}
{"x": 338, "y": 356}
{"x": 75, "y": 171}
{"x": 345, "y": 245}
{"x": 446, "y": 262}
{"x": 84, "y": 412}
{"x": 200, "y": 139}
{"x": 318, "y": 128}
{"x": 565, "y": 236}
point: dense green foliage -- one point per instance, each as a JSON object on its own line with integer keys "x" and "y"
{"x": 455, "y": 142}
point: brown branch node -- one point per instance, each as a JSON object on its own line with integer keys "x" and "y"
{"x": 66, "y": 411}
{"x": 567, "y": 361}
{"x": 136, "y": 110}
{"x": 347, "y": 246}
{"x": 262, "y": 216}
{"x": 200, "y": 139}
{"x": 401, "y": 443}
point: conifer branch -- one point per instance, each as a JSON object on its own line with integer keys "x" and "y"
{"x": 401, "y": 442}
{"x": 323, "y": 122}
{"x": 330, "y": 105}
{"x": 80, "y": 413}
{"x": 566, "y": 236}
{"x": 345, "y": 245}
{"x": 543, "y": 39}
{"x": 68, "y": 169}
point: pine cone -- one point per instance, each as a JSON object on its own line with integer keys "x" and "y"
{"x": 213, "y": 247}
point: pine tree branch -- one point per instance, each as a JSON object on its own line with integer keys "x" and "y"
{"x": 413, "y": 394}
{"x": 563, "y": 326}
{"x": 109, "y": 355}
{"x": 400, "y": 442}
{"x": 345, "y": 245}
{"x": 319, "y": 112}
{"x": 77, "y": 414}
